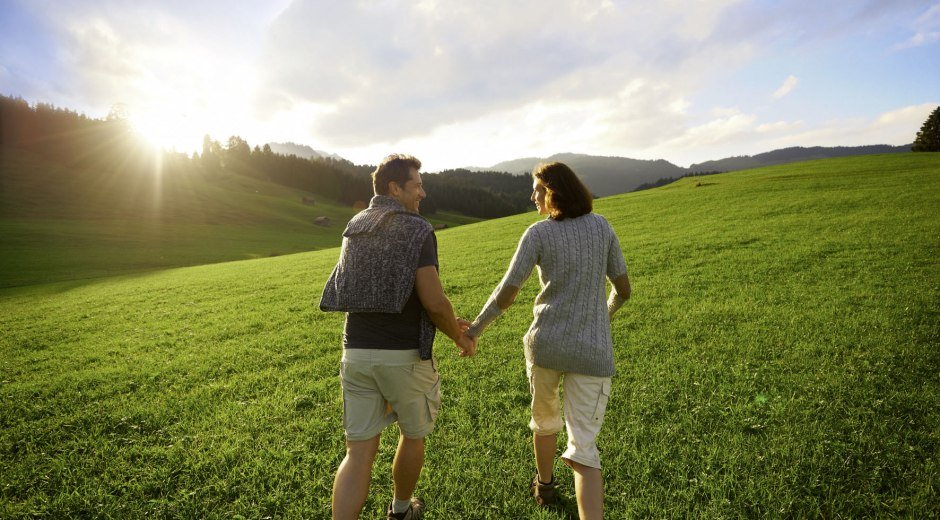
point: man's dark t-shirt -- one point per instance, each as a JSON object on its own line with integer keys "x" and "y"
{"x": 390, "y": 331}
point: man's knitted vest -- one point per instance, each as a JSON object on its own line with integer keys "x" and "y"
{"x": 377, "y": 264}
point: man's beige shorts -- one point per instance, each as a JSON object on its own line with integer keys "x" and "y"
{"x": 384, "y": 386}
{"x": 585, "y": 403}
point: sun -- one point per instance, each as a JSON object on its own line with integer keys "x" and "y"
{"x": 167, "y": 130}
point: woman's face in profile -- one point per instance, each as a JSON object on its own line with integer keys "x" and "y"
{"x": 538, "y": 197}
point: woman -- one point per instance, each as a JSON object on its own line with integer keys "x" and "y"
{"x": 569, "y": 339}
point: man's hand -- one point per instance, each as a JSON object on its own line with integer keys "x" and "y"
{"x": 467, "y": 345}
{"x": 464, "y": 324}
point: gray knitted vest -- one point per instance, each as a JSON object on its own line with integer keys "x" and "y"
{"x": 377, "y": 264}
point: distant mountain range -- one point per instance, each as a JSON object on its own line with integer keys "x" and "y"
{"x": 611, "y": 175}
{"x": 794, "y": 154}
{"x": 603, "y": 175}
{"x": 301, "y": 150}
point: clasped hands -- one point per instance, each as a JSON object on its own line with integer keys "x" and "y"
{"x": 465, "y": 342}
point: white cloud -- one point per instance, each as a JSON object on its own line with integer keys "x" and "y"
{"x": 714, "y": 132}
{"x": 788, "y": 85}
{"x": 894, "y": 127}
{"x": 460, "y": 83}
{"x": 163, "y": 59}
{"x": 779, "y": 126}
{"x": 926, "y": 29}
{"x": 744, "y": 134}
{"x": 400, "y": 70}
{"x": 642, "y": 114}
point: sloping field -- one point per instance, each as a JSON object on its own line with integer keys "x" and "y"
{"x": 779, "y": 359}
{"x": 59, "y": 223}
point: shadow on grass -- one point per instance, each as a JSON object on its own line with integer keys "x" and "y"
{"x": 64, "y": 286}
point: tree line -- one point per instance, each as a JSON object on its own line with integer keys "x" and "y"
{"x": 78, "y": 141}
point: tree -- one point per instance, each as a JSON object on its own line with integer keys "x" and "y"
{"x": 211, "y": 156}
{"x": 928, "y": 139}
{"x": 118, "y": 112}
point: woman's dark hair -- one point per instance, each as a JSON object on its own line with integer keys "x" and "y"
{"x": 565, "y": 195}
{"x": 394, "y": 168}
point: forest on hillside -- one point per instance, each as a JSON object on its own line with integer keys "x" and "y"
{"x": 80, "y": 143}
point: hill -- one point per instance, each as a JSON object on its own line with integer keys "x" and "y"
{"x": 60, "y": 222}
{"x": 612, "y": 175}
{"x": 793, "y": 154}
{"x": 82, "y": 197}
{"x": 81, "y": 143}
{"x": 604, "y": 176}
{"x": 301, "y": 150}
{"x": 778, "y": 359}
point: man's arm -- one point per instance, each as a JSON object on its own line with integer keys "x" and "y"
{"x": 440, "y": 310}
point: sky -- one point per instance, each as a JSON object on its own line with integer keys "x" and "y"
{"x": 459, "y": 83}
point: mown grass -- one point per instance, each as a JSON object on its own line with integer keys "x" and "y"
{"x": 779, "y": 359}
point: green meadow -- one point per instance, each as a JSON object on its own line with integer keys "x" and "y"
{"x": 780, "y": 358}
{"x": 59, "y": 223}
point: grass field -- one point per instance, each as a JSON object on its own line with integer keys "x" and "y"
{"x": 60, "y": 224}
{"x": 779, "y": 359}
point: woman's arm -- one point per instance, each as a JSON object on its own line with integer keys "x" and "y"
{"x": 617, "y": 274}
{"x": 502, "y": 299}
{"x": 618, "y": 295}
{"x": 505, "y": 293}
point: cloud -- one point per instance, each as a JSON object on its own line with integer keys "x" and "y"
{"x": 715, "y": 132}
{"x": 894, "y": 127}
{"x": 642, "y": 114}
{"x": 788, "y": 85}
{"x": 392, "y": 70}
{"x": 476, "y": 83}
{"x": 740, "y": 133}
{"x": 926, "y": 30}
{"x": 779, "y": 126}
{"x": 905, "y": 118}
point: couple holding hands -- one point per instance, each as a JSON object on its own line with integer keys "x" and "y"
{"x": 386, "y": 280}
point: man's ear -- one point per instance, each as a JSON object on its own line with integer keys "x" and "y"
{"x": 393, "y": 188}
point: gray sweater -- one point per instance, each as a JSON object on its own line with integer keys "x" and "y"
{"x": 378, "y": 263}
{"x": 571, "y": 329}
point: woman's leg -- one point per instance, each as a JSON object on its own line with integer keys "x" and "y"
{"x": 589, "y": 488}
{"x": 585, "y": 405}
{"x": 546, "y": 417}
{"x": 544, "y": 447}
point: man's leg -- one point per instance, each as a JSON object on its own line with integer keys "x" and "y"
{"x": 589, "y": 488}
{"x": 351, "y": 485}
{"x": 544, "y": 447}
{"x": 409, "y": 459}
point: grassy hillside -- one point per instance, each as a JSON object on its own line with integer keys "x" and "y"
{"x": 61, "y": 223}
{"x": 779, "y": 359}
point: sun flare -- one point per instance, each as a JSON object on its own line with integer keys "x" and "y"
{"x": 167, "y": 131}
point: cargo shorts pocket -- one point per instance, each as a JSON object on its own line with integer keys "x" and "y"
{"x": 342, "y": 387}
{"x": 600, "y": 407}
{"x": 433, "y": 398}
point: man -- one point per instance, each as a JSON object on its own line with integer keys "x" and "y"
{"x": 387, "y": 282}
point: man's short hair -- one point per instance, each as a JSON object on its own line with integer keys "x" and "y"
{"x": 565, "y": 194}
{"x": 394, "y": 168}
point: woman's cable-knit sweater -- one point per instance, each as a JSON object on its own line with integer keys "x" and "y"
{"x": 571, "y": 329}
